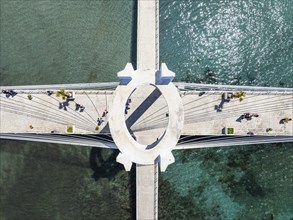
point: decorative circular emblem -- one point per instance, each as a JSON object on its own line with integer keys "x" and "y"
{"x": 131, "y": 150}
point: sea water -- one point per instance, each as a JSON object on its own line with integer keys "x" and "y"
{"x": 224, "y": 42}
{"x": 68, "y": 41}
{"x": 235, "y": 43}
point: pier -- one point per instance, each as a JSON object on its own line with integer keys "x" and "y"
{"x": 145, "y": 115}
{"x": 48, "y": 113}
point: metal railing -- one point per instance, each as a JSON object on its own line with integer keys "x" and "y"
{"x": 105, "y": 85}
{"x": 223, "y": 141}
{"x": 157, "y": 33}
{"x": 81, "y": 140}
{"x": 156, "y": 189}
{"x": 211, "y": 87}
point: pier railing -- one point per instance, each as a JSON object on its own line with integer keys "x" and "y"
{"x": 104, "y": 85}
{"x": 211, "y": 87}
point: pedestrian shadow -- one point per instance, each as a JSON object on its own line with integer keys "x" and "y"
{"x": 240, "y": 119}
{"x": 64, "y": 105}
{"x": 220, "y": 107}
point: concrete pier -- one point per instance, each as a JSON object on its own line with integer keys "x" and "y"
{"x": 147, "y": 191}
{"x": 147, "y": 58}
{"x": 147, "y": 34}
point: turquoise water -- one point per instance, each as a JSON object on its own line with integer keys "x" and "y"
{"x": 240, "y": 43}
{"x": 234, "y": 42}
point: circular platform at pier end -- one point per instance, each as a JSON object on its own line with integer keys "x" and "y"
{"x": 131, "y": 150}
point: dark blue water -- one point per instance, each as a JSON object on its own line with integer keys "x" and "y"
{"x": 232, "y": 42}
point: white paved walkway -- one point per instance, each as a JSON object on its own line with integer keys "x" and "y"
{"x": 47, "y": 114}
{"x": 147, "y": 58}
{"x": 43, "y": 112}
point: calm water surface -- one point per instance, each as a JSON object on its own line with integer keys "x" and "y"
{"x": 233, "y": 42}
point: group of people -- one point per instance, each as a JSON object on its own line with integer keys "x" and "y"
{"x": 105, "y": 113}
{"x": 49, "y": 93}
{"x": 249, "y": 116}
{"x": 127, "y": 106}
{"x": 79, "y": 107}
{"x": 9, "y": 92}
{"x": 101, "y": 120}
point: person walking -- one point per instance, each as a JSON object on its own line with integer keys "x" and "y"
{"x": 286, "y": 119}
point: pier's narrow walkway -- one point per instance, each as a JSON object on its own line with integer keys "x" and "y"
{"x": 147, "y": 58}
{"x": 147, "y": 196}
